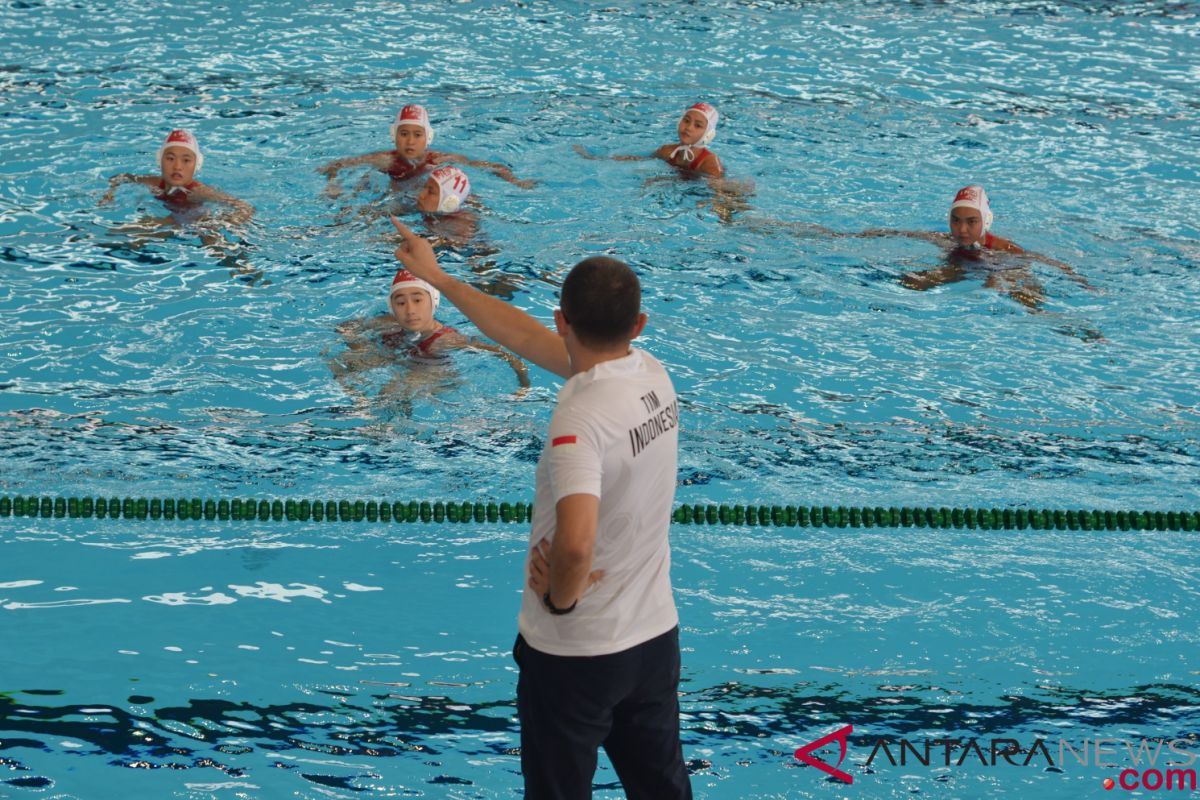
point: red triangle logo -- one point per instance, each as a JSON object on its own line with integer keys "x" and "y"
{"x": 840, "y": 737}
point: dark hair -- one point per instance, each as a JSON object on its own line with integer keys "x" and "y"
{"x": 601, "y": 299}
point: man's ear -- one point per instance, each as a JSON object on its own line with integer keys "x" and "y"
{"x": 560, "y": 322}
{"x": 639, "y": 326}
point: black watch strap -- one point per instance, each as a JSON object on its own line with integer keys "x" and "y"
{"x": 553, "y": 609}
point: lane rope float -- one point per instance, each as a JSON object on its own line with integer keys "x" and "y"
{"x": 440, "y": 511}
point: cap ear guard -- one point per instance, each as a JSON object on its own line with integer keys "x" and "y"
{"x": 448, "y": 202}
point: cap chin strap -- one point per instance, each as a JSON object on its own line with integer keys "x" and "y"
{"x": 686, "y": 149}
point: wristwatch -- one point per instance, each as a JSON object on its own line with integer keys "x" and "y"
{"x": 553, "y": 609}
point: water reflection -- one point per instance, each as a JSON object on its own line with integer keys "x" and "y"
{"x": 741, "y": 720}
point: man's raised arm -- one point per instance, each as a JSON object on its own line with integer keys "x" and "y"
{"x": 502, "y": 323}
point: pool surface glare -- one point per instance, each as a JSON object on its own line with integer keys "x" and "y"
{"x": 215, "y": 659}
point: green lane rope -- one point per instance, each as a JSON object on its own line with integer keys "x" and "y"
{"x": 194, "y": 508}
{"x": 184, "y": 508}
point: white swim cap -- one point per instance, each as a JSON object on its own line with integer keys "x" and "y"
{"x": 975, "y": 197}
{"x": 405, "y": 279}
{"x": 711, "y": 116}
{"x": 413, "y": 115}
{"x": 181, "y": 138}
{"x": 455, "y": 188}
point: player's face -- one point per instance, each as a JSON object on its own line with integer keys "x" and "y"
{"x": 692, "y": 127}
{"x": 178, "y": 166}
{"x": 430, "y": 196}
{"x": 411, "y": 141}
{"x": 412, "y": 308}
{"x": 966, "y": 226}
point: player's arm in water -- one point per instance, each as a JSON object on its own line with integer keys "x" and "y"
{"x": 518, "y": 366}
{"x": 1062, "y": 266}
{"x": 1001, "y": 245}
{"x": 499, "y": 170}
{"x": 583, "y": 151}
{"x": 711, "y": 166}
{"x": 123, "y": 178}
{"x": 240, "y": 212}
{"x": 505, "y": 324}
{"x": 936, "y": 237}
{"x": 363, "y": 351}
{"x": 730, "y": 197}
{"x": 358, "y": 331}
{"x": 998, "y": 244}
{"x": 380, "y": 160}
{"x": 457, "y": 341}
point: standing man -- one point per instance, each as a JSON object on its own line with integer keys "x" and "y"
{"x": 598, "y": 647}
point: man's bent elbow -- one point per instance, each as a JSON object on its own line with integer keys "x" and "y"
{"x": 572, "y": 554}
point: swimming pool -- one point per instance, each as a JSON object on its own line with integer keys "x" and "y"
{"x": 310, "y": 660}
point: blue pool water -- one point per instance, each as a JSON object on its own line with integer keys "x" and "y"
{"x": 300, "y": 660}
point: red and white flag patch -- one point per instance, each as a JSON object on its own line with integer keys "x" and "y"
{"x": 561, "y": 440}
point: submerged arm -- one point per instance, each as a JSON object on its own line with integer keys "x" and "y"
{"x": 331, "y": 169}
{"x": 117, "y": 180}
{"x": 518, "y": 366}
{"x": 356, "y": 331}
{"x": 729, "y": 197}
{"x": 380, "y": 159}
{"x": 1008, "y": 246}
{"x": 241, "y": 210}
{"x": 360, "y": 355}
{"x": 1063, "y": 266}
{"x": 761, "y": 224}
{"x": 592, "y": 157}
{"x": 925, "y": 236}
{"x": 499, "y": 170}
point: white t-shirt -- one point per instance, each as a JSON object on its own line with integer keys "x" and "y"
{"x": 615, "y": 435}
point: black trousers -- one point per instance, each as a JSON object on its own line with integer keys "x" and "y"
{"x": 627, "y": 702}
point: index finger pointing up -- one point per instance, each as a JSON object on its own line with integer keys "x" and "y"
{"x": 404, "y": 231}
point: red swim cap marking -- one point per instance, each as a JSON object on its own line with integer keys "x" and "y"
{"x": 968, "y": 193}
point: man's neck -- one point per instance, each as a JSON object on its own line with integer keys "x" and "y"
{"x": 585, "y": 359}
